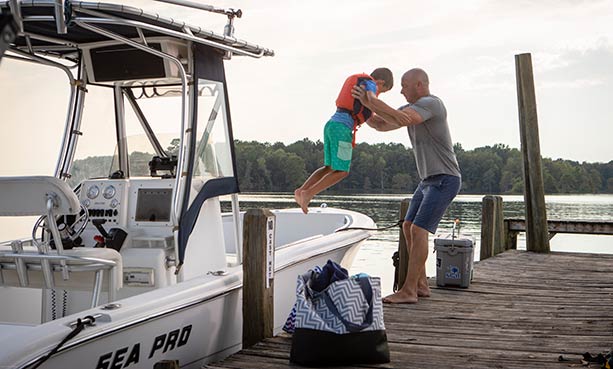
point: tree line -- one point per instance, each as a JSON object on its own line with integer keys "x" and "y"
{"x": 382, "y": 168}
{"x": 390, "y": 168}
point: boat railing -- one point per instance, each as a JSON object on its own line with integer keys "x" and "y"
{"x": 41, "y": 266}
{"x": 25, "y": 264}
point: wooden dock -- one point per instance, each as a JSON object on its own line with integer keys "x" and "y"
{"x": 522, "y": 310}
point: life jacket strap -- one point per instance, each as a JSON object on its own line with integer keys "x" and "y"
{"x": 355, "y": 123}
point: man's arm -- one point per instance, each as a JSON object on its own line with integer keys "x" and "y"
{"x": 381, "y": 124}
{"x": 399, "y": 118}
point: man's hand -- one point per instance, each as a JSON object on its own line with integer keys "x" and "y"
{"x": 358, "y": 92}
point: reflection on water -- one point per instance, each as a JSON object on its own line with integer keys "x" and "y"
{"x": 375, "y": 255}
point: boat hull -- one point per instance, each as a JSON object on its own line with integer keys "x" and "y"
{"x": 195, "y": 322}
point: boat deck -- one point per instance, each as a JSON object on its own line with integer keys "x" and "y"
{"x": 522, "y": 310}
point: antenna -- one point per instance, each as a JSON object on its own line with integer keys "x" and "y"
{"x": 230, "y": 13}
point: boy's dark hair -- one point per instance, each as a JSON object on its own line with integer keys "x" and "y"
{"x": 385, "y": 75}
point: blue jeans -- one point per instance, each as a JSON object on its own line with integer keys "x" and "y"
{"x": 430, "y": 200}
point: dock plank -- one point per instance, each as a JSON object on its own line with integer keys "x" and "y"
{"x": 522, "y": 310}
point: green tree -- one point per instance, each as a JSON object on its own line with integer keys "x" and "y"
{"x": 382, "y": 167}
{"x": 286, "y": 170}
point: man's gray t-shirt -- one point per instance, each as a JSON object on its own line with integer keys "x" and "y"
{"x": 431, "y": 140}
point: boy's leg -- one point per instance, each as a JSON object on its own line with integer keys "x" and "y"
{"x": 313, "y": 178}
{"x": 337, "y": 160}
{"x": 318, "y": 174}
{"x": 326, "y": 181}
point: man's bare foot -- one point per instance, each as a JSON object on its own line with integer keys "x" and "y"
{"x": 423, "y": 292}
{"x": 400, "y": 297}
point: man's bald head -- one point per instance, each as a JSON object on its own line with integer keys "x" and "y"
{"x": 417, "y": 74}
{"x": 415, "y": 84}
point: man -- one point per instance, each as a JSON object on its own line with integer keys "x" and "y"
{"x": 425, "y": 117}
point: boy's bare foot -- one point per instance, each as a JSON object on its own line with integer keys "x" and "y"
{"x": 297, "y": 195}
{"x": 305, "y": 199}
{"x": 400, "y": 297}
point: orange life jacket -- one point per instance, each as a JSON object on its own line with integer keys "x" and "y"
{"x": 345, "y": 102}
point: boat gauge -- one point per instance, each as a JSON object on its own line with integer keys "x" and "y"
{"x": 93, "y": 192}
{"x": 114, "y": 203}
{"x": 86, "y": 203}
{"x": 109, "y": 192}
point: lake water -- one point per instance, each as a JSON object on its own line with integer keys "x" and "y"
{"x": 375, "y": 255}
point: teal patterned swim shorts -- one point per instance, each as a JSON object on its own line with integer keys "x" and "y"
{"x": 337, "y": 146}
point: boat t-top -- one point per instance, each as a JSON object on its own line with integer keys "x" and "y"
{"x": 130, "y": 259}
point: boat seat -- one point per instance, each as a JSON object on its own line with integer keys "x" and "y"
{"x": 25, "y": 265}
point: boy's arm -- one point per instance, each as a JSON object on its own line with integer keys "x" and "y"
{"x": 398, "y": 118}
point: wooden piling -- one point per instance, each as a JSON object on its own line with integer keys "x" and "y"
{"x": 492, "y": 227}
{"x": 537, "y": 238}
{"x": 403, "y": 253}
{"x": 258, "y": 273}
{"x": 510, "y": 236}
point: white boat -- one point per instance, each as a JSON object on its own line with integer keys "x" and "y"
{"x": 132, "y": 260}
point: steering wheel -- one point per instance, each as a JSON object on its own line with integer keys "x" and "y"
{"x": 70, "y": 229}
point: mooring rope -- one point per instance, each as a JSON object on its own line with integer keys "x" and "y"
{"x": 80, "y": 325}
{"x": 371, "y": 229}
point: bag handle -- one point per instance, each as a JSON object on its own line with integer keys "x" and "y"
{"x": 352, "y": 327}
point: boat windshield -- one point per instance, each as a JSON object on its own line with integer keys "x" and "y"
{"x": 213, "y": 147}
{"x": 95, "y": 152}
{"x": 33, "y": 112}
{"x": 157, "y": 109}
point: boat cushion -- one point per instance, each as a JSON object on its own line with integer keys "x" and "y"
{"x": 24, "y": 196}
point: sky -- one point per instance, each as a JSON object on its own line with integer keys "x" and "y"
{"x": 467, "y": 47}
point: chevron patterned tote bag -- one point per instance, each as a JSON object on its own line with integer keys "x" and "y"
{"x": 341, "y": 325}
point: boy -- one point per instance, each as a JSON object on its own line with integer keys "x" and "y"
{"x": 339, "y": 134}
